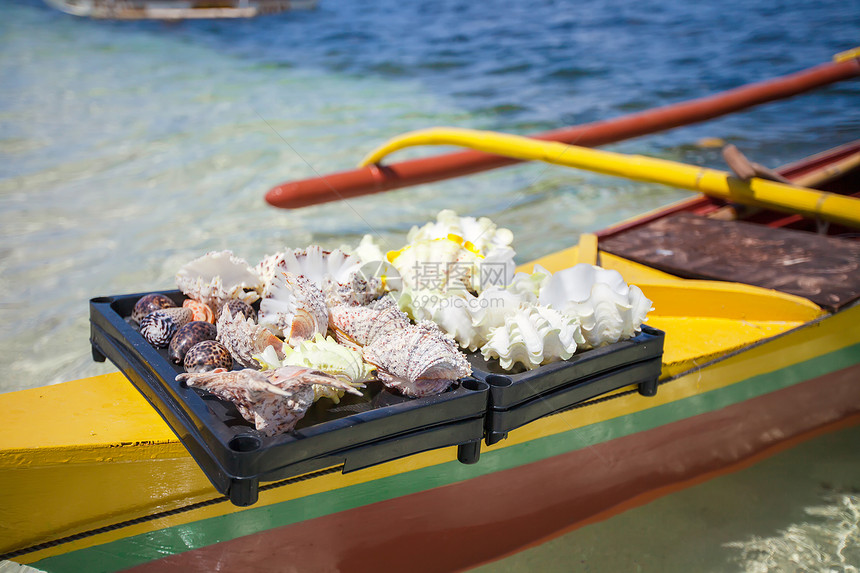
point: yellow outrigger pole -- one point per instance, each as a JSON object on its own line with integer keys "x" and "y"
{"x": 756, "y": 192}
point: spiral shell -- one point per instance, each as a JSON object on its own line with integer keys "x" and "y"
{"x": 159, "y": 326}
{"x": 149, "y": 303}
{"x": 206, "y": 356}
{"x": 294, "y": 308}
{"x": 199, "y": 310}
{"x": 244, "y": 338}
{"x": 187, "y": 337}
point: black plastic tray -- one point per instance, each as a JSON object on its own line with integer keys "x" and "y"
{"x": 517, "y": 399}
{"x": 358, "y": 432}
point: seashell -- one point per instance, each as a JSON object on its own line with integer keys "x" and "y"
{"x": 437, "y": 264}
{"x": 335, "y": 273}
{"x": 294, "y": 308}
{"x": 159, "y": 326}
{"x": 326, "y": 355}
{"x": 206, "y": 356}
{"x": 482, "y": 233}
{"x": 452, "y": 312}
{"x": 244, "y": 338}
{"x": 532, "y": 336}
{"x": 273, "y": 400}
{"x": 608, "y": 309}
{"x": 417, "y": 361}
{"x": 358, "y": 326}
{"x": 149, "y": 303}
{"x": 237, "y": 307}
{"x": 187, "y": 336}
{"x": 217, "y": 277}
{"x": 199, "y": 310}
{"x": 368, "y": 250}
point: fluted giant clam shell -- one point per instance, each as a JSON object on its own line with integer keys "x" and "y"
{"x": 437, "y": 264}
{"x": 482, "y": 233}
{"x": 608, "y": 309}
{"x": 418, "y": 361}
{"x": 217, "y": 277}
{"x": 532, "y": 336}
{"x": 358, "y": 326}
{"x": 273, "y": 400}
{"x": 335, "y": 273}
{"x": 293, "y": 308}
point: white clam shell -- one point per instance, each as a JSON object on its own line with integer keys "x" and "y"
{"x": 436, "y": 264}
{"x": 532, "y": 336}
{"x": 608, "y": 309}
{"x": 482, "y": 233}
{"x": 217, "y": 277}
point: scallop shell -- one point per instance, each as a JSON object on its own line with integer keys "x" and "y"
{"x": 189, "y": 335}
{"x": 358, "y": 326}
{"x": 159, "y": 326}
{"x": 244, "y": 338}
{"x": 417, "y": 361}
{"x": 532, "y": 336}
{"x": 217, "y": 277}
{"x": 149, "y": 303}
{"x": 199, "y": 310}
{"x": 294, "y": 308}
{"x": 482, "y": 233}
{"x": 206, "y": 356}
{"x": 273, "y": 400}
{"x": 607, "y": 307}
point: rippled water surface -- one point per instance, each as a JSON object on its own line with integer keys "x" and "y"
{"x": 127, "y": 149}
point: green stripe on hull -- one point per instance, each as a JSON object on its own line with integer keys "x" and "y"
{"x": 135, "y": 550}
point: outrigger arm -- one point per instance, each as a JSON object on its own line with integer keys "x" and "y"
{"x": 713, "y": 182}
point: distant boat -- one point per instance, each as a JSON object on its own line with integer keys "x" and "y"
{"x": 177, "y": 9}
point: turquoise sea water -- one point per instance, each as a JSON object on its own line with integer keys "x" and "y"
{"x": 127, "y": 149}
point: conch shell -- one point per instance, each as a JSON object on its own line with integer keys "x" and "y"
{"x": 532, "y": 336}
{"x": 273, "y": 400}
{"x": 608, "y": 309}
{"x": 217, "y": 277}
{"x": 293, "y": 308}
{"x": 244, "y": 338}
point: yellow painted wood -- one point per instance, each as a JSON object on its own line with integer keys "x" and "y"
{"x": 587, "y": 251}
{"x": 852, "y": 54}
{"x": 108, "y": 446}
{"x": 756, "y": 192}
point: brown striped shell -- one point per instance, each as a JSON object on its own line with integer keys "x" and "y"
{"x": 159, "y": 326}
{"x": 207, "y": 356}
{"x": 149, "y": 303}
{"x": 188, "y": 336}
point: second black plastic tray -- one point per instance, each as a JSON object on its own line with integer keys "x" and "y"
{"x": 519, "y": 398}
{"x": 358, "y": 432}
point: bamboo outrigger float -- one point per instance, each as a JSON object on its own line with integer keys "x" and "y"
{"x": 746, "y": 370}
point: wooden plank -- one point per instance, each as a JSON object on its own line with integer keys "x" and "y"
{"x": 825, "y": 270}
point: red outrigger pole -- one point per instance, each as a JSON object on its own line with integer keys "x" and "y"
{"x": 378, "y": 178}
